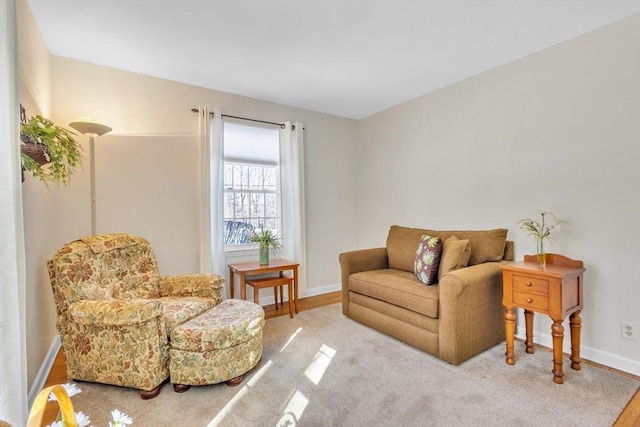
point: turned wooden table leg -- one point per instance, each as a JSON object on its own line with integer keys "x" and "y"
{"x": 510, "y": 330}
{"x": 557, "y": 331}
{"x": 575, "y": 323}
{"x": 528, "y": 321}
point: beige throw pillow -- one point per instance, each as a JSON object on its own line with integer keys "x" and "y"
{"x": 455, "y": 255}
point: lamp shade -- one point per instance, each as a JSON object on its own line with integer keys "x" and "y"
{"x": 90, "y": 126}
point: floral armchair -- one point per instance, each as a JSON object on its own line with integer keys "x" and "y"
{"x": 115, "y": 312}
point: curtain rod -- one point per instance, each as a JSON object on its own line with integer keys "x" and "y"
{"x": 282, "y": 126}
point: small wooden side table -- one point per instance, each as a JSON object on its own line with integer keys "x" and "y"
{"x": 275, "y": 283}
{"x": 253, "y": 268}
{"x": 554, "y": 289}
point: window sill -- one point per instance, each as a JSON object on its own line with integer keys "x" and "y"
{"x": 240, "y": 252}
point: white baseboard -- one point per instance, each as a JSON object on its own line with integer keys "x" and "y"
{"x": 45, "y": 369}
{"x": 323, "y": 290}
{"x": 588, "y": 353}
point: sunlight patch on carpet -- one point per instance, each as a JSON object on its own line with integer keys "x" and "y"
{"x": 259, "y": 374}
{"x": 291, "y": 339}
{"x": 228, "y": 408}
{"x": 296, "y": 405}
{"x": 320, "y": 363}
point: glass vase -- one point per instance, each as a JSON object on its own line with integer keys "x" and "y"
{"x": 542, "y": 256}
{"x": 264, "y": 255}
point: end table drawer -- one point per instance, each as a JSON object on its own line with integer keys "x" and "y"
{"x": 530, "y": 284}
{"x": 533, "y": 301}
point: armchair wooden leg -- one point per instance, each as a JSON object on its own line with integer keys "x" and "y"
{"x": 181, "y": 388}
{"x": 235, "y": 381}
{"x": 146, "y": 395}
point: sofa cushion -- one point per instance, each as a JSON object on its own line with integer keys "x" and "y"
{"x": 109, "y": 242}
{"x": 427, "y": 259}
{"x": 397, "y": 287}
{"x": 227, "y": 325}
{"x": 486, "y": 245}
{"x": 179, "y": 310}
{"x": 455, "y": 255}
{"x": 402, "y": 243}
{"x": 126, "y": 264}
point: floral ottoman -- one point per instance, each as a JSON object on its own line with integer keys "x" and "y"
{"x": 222, "y": 344}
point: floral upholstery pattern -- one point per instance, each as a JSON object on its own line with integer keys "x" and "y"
{"x": 177, "y": 310}
{"x": 195, "y": 285}
{"x": 229, "y": 324}
{"x": 221, "y": 344}
{"x": 115, "y": 312}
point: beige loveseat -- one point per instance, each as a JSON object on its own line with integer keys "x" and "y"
{"x": 454, "y": 319}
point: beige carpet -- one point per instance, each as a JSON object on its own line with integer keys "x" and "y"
{"x": 322, "y": 369}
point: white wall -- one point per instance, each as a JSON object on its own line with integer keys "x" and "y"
{"x": 33, "y": 60}
{"x": 39, "y": 202}
{"x": 147, "y": 168}
{"x": 558, "y": 130}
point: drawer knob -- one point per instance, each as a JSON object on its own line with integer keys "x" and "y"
{"x": 528, "y": 284}
{"x": 529, "y": 300}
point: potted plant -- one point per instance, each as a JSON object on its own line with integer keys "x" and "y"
{"x": 266, "y": 239}
{"x": 49, "y": 152}
{"x": 541, "y": 230}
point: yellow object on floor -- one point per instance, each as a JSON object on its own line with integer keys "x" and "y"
{"x": 64, "y": 402}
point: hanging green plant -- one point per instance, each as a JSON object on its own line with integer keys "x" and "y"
{"x": 49, "y": 152}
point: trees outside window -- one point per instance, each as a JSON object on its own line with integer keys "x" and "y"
{"x": 251, "y": 182}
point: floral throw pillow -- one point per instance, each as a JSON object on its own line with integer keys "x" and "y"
{"x": 427, "y": 260}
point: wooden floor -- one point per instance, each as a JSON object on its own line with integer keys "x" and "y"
{"x": 630, "y": 417}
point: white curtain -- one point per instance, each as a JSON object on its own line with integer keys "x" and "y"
{"x": 212, "y": 192}
{"x": 13, "y": 365}
{"x": 292, "y": 183}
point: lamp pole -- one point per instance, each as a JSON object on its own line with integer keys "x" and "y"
{"x": 91, "y": 128}
{"x": 92, "y": 173}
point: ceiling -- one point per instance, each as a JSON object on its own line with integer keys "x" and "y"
{"x": 350, "y": 58}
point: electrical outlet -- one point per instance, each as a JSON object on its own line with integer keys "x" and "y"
{"x": 629, "y": 331}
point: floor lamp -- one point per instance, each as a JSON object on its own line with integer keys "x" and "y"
{"x": 91, "y": 128}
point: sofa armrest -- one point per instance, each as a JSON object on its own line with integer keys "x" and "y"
{"x": 194, "y": 285}
{"x": 471, "y": 312}
{"x": 117, "y": 312}
{"x": 357, "y": 261}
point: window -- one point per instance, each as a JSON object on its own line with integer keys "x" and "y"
{"x": 251, "y": 182}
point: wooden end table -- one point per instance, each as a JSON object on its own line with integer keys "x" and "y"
{"x": 554, "y": 289}
{"x": 253, "y": 268}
